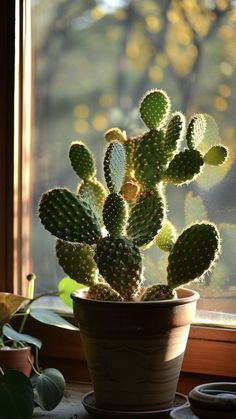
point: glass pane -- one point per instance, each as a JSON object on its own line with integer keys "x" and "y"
{"x": 92, "y": 62}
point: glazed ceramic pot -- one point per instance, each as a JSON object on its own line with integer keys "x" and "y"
{"x": 16, "y": 359}
{"x": 214, "y": 400}
{"x": 135, "y": 350}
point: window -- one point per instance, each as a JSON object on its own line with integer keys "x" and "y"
{"x": 214, "y": 95}
{"x": 91, "y": 63}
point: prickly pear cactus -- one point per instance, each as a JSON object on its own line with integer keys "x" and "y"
{"x": 166, "y": 237}
{"x": 68, "y": 217}
{"x": 185, "y": 167}
{"x": 193, "y": 253}
{"x": 130, "y": 146}
{"x": 114, "y": 166}
{"x": 158, "y": 292}
{"x": 150, "y": 158}
{"x": 146, "y": 218}
{"x": 154, "y": 108}
{"x": 94, "y": 193}
{"x": 77, "y": 261}
{"x": 104, "y": 292}
{"x": 174, "y": 134}
{"x": 120, "y": 263}
{"x": 196, "y": 131}
{"x": 115, "y": 212}
{"x": 82, "y": 160}
{"x": 216, "y": 155}
{"x": 103, "y": 231}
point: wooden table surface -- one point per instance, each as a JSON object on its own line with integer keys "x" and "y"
{"x": 70, "y": 406}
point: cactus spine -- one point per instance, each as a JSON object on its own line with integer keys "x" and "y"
{"x": 132, "y": 207}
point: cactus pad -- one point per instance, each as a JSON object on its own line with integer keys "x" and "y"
{"x": 166, "y": 237}
{"x": 82, "y": 160}
{"x": 146, "y": 218}
{"x": 120, "y": 263}
{"x": 77, "y": 261}
{"x": 216, "y": 156}
{"x": 94, "y": 193}
{"x": 196, "y": 131}
{"x": 114, "y": 166}
{"x": 150, "y": 159}
{"x": 154, "y": 108}
{"x": 184, "y": 167}
{"x": 115, "y": 212}
{"x": 174, "y": 133}
{"x": 67, "y": 217}
{"x": 193, "y": 253}
{"x": 158, "y": 292}
{"x": 130, "y": 146}
{"x": 104, "y": 292}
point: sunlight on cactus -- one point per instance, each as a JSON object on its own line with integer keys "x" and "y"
{"x": 103, "y": 231}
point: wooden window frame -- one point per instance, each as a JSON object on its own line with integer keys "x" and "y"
{"x": 7, "y": 43}
{"x": 210, "y": 351}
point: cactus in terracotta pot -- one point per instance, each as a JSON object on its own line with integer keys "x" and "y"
{"x": 102, "y": 231}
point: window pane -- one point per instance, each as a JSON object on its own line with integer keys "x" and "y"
{"x": 92, "y": 62}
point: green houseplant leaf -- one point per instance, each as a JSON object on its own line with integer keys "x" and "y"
{"x": 51, "y": 318}
{"x": 9, "y": 305}
{"x": 16, "y": 396}
{"x": 49, "y": 388}
{"x": 12, "y": 334}
{"x": 65, "y": 287}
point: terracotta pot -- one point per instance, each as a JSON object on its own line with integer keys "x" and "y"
{"x": 16, "y": 359}
{"x": 135, "y": 349}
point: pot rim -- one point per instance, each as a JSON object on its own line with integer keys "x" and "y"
{"x": 184, "y": 296}
{"x": 9, "y": 348}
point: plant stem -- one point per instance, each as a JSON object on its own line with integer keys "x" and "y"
{"x": 1, "y": 337}
{"x": 27, "y": 309}
{"x": 31, "y": 289}
{"x": 35, "y": 368}
{"x": 46, "y": 294}
{"x": 25, "y": 314}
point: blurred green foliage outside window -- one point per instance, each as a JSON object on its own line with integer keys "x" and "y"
{"x": 92, "y": 62}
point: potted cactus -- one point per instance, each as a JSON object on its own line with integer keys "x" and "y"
{"x": 134, "y": 335}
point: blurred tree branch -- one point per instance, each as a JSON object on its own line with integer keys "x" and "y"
{"x": 188, "y": 84}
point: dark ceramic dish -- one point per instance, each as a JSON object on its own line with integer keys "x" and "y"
{"x": 214, "y": 401}
{"x": 183, "y": 412}
{"x": 89, "y": 403}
